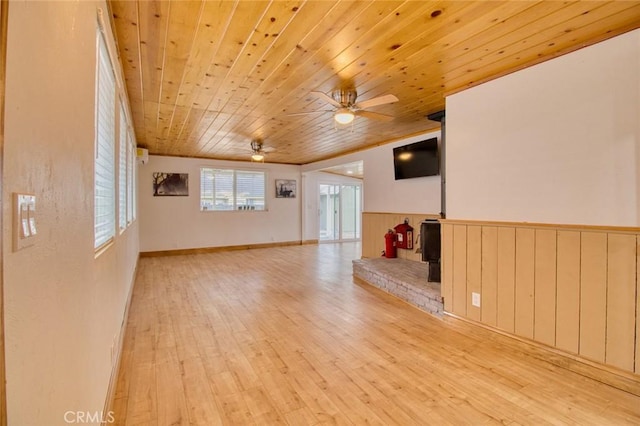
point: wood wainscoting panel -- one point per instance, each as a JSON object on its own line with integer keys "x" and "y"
{"x": 525, "y": 281}
{"x": 506, "y": 278}
{"x": 637, "y": 367}
{"x": 489, "y": 279}
{"x": 4, "y": 25}
{"x": 447, "y": 266}
{"x": 367, "y": 240}
{"x": 372, "y": 242}
{"x": 474, "y": 269}
{"x": 568, "y": 291}
{"x": 593, "y": 295}
{"x": 460, "y": 270}
{"x": 571, "y": 287}
{"x": 621, "y": 288}
{"x": 545, "y": 287}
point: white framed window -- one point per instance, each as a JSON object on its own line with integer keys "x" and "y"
{"x": 104, "y": 172}
{"x": 232, "y": 190}
{"x": 123, "y": 163}
{"x": 131, "y": 179}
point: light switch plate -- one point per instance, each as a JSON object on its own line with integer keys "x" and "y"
{"x": 24, "y": 220}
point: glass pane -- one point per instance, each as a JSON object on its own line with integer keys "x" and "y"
{"x": 134, "y": 179}
{"x": 336, "y": 212}
{"x": 324, "y": 211}
{"x": 223, "y": 189}
{"x": 131, "y": 160}
{"x": 104, "y": 194}
{"x": 250, "y": 188}
{"x": 122, "y": 170}
{"x": 206, "y": 189}
{"x": 329, "y": 208}
{"x": 349, "y": 212}
{"x": 232, "y": 189}
{"x": 340, "y": 212}
{"x": 358, "y": 211}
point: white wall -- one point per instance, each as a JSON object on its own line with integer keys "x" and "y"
{"x": 385, "y": 194}
{"x": 170, "y": 223}
{"x": 382, "y": 193}
{"x": 555, "y": 143}
{"x": 63, "y": 306}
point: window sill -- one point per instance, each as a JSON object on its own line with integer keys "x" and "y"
{"x": 104, "y": 247}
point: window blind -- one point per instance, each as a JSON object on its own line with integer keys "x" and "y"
{"x": 249, "y": 190}
{"x": 131, "y": 158}
{"x": 206, "y": 189}
{"x": 122, "y": 170}
{"x": 134, "y": 178}
{"x": 224, "y": 198}
{"x": 222, "y": 189}
{"x": 104, "y": 200}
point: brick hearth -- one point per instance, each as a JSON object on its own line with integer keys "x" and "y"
{"x": 402, "y": 278}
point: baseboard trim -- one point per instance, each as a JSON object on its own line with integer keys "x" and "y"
{"x": 205, "y": 250}
{"x": 115, "y": 372}
{"x": 602, "y": 373}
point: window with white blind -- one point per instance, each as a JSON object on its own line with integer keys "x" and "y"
{"x": 134, "y": 180}
{"x": 222, "y": 189}
{"x": 123, "y": 161}
{"x": 131, "y": 156}
{"x": 104, "y": 186}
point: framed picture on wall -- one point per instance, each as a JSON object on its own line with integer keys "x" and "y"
{"x": 285, "y": 188}
{"x": 170, "y": 184}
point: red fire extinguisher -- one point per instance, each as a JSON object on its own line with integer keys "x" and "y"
{"x": 405, "y": 235}
{"x": 390, "y": 245}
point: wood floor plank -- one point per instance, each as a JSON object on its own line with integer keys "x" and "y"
{"x": 142, "y": 402}
{"x": 284, "y": 336}
{"x": 172, "y": 404}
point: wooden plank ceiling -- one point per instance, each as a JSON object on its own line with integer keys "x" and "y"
{"x": 204, "y": 78}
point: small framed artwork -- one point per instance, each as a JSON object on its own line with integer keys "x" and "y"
{"x": 285, "y": 188}
{"x": 170, "y": 184}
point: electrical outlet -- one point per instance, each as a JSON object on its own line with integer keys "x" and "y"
{"x": 475, "y": 299}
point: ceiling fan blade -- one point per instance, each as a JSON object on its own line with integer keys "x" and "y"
{"x": 326, "y": 98}
{"x": 380, "y": 100}
{"x": 374, "y": 115}
{"x": 268, "y": 149}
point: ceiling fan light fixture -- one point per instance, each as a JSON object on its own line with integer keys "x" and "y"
{"x": 257, "y": 157}
{"x": 256, "y": 147}
{"x": 343, "y": 116}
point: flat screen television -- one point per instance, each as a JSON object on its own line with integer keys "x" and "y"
{"x": 417, "y": 159}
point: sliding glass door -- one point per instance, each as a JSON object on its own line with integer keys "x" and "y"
{"x": 329, "y": 208}
{"x": 340, "y": 212}
{"x": 350, "y": 212}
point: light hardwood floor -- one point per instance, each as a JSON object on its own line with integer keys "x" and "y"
{"x": 284, "y": 336}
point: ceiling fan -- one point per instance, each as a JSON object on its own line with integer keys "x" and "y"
{"x": 347, "y": 108}
{"x": 259, "y": 150}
